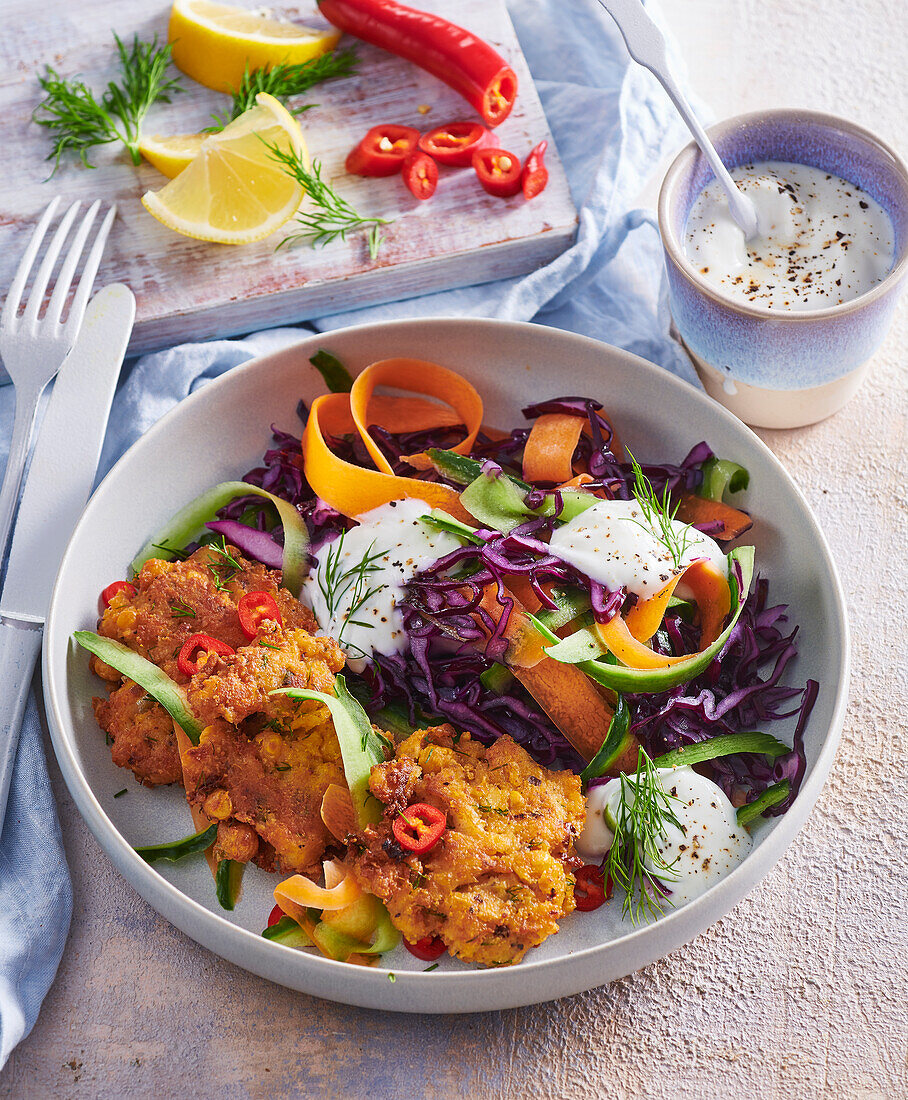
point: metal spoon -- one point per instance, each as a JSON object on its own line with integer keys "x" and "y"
{"x": 646, "y": 45}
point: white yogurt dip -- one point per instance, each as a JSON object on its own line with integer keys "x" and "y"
{"x": 709, "y": 844}
{"x": 613, "y": 544}
{"x": 355, "y": 587}
{"x": 822, "y": 240}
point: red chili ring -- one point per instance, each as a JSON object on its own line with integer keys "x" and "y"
{"x": 535, "y": 175}
{"x": 590, "y": 889}
{"x": 419, "y": 827}
{"x": 112, "y": 589}
{"x": 254, "y": 608}
{"x": 275, "y": 915}
{"x": 429, "y": 948}
{"x": 200, "y": 641}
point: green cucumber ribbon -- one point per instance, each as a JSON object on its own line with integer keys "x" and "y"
{"x": 721, "y": 476}
{"x": 361, "y": 747}
{"x": 187, "y": 523}
{"x": 772, "y": 796}
{"x": 584, "y": 648}
{"x": 154, "y": 680}
{"x": 176, "y": 849}
{"x": 228, "y": 881}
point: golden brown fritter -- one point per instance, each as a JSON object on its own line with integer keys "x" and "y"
{"x": 496, "y": 883}
{"x": 238, "y": 686}
{"x": 142, "y": 734}
{"x": 175, "y": 599}
{"x": 272, "y": 782}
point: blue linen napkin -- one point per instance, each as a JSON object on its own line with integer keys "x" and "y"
{"x": 612, "y": 125}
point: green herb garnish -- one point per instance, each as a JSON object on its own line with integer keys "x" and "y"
{"x": 283, "y": 81}
{"x": 332, "y": 217}
{"x": 181, "y": 610}
{"x": 78, "y": 120}
{"x": 120, "y": 794}
{"x": 659, "y": 515}
{"x": 225, "y": 566}
{"x": 337, "y": 584}
{"x": 634, "y": 861}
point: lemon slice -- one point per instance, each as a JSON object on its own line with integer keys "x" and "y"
{"x": 170, "y": 155}
{"x": 233, "y": 192}
{"x": 214, "y": 43}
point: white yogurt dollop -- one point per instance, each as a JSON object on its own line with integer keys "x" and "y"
{"x": 822, "y": 240}
{"x": 613, "y": 544}
{"x": 709, "y": 844}
{"x": 355, "y": 587}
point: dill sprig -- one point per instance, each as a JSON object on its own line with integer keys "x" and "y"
{"x": 332, "y": 216}
{"x": 180, "y": 609}
{"x": 224, "y": 567}
{"x": 284, "y": 81}
{"x": 635, "y": 862}
{"x": 78, "y": 120}
{"x": 337, "y": 584}
{"x": 659, "y": 515}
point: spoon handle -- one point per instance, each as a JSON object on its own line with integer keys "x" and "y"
{"x": 646, "y": 45}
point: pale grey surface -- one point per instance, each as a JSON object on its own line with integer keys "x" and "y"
{"x": 800, "y": 992}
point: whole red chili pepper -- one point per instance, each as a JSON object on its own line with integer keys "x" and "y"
{"x": 420, "y": 174}
{"x": 419, "y": 827}
{"x": 454, "y": 144}
{"x": 589, "y": 888}
{"x": 255, "y": 607}
{"x": 200, "y": 641}
{"x": 498, "y": 171}
{"x": 112, "y": 589}
{"x": 382, "y": 151}
{"x": 535, "y": 174}
{"x": 429, "y": 948}
{"x": 463, "y": 61}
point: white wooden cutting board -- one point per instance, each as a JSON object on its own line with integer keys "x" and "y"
{"x": 189, "y": 290}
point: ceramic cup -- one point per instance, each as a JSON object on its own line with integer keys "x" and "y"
{"x": 772, "y": 369}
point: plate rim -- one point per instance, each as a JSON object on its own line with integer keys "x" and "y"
{"x": 479, "y": 989}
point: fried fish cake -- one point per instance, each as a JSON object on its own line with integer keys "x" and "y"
{"x": 496, "y": 883}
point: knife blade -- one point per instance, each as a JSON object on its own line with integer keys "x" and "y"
{"x": 66, "y": 454}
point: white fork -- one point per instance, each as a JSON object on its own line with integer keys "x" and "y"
{"x": 33, "y": 350}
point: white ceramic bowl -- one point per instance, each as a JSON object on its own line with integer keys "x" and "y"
{"x": 222, "y": 431}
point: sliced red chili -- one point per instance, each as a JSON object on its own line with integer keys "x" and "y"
{"x": 112, "y": 589}
{"x": 419, "y": 827}
{"x": 254, "y": 608}
{"x": 535, "y": 174}
{"x": 457, "y": 56}
{"x": 420, "y": 174}
{"x": 455, "y": 143}
{"x": 200, "y": 641}
{"x": 274, "y": 916}
{"x": 589, "y": 888}
{"x": 429, "y": 948}
{"x": 498, "y": 171}
{"x": 383, "y": 150}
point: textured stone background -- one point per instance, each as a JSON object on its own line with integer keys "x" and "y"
{"x": 799, "y": 993}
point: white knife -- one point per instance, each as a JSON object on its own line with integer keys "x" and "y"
{"x": 60, "y": 477}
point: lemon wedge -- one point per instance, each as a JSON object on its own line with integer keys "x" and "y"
{"x": 214, "y": 43}
{"x": 233, "y": 192}
{"x": 170, "y": 155}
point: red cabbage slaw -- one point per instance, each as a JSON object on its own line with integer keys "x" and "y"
{"x": 437, "y": 676}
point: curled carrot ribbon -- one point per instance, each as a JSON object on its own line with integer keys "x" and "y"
{"x": 351, "y": 489}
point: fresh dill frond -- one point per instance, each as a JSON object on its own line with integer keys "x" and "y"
{"x": 224, "y": 567}
{"x": 78, "y": 120}
{"x": 284, "y": 81}
{"x": 351, "y": 584}
{"x": 331, "y": 216}
{"x": 180, "y": 609}
{"x": 635, "y": 862}
{"x": 659, "y": 515}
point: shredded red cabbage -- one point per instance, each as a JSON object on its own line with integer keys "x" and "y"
{"x": 453, "y": 639}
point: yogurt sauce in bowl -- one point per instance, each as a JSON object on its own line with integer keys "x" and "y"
{"x": 822, "y": 241}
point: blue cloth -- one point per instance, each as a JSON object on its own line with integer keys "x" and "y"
{"x": 612, "y": 125}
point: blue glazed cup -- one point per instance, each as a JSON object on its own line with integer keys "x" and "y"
{"x": 771, "y": 369}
